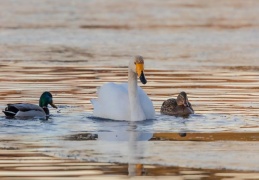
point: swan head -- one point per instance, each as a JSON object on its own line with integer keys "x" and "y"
{"x": 137, "y": 66}
{"x": 182, "y": 99}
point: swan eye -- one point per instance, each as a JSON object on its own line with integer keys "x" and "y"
{"x": 135, "y": 63}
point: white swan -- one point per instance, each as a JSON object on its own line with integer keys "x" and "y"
{"x": 125, "y": 101}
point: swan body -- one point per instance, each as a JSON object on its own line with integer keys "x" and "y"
{"x": 30, "y": 110}
{"x": 125, "y": 101}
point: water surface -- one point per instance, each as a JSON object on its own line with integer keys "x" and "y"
{"x": 208, "y": 49}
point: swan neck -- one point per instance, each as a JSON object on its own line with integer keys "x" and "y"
{"x": 132, "y": 80}
{"x": 136, "y": 110}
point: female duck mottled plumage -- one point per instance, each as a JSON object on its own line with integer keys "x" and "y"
{"x": 31, "y": 110}
{"x": 180, "y": 106}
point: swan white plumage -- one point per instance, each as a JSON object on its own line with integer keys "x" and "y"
{"x": 125, "y": 101}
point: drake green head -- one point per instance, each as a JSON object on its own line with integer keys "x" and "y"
{"x": 46, "y": 99}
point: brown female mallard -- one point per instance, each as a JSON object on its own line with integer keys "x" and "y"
{"x": 177, "y": 107}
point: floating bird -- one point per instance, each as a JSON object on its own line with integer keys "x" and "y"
{"x": 125, "y": 101}
{"x": 31, "y": 110}
{"x": 179, "y": 107}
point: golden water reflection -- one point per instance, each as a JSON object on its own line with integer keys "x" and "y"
{"x": 207, "y": 48}
{"x": 218, "y": 92}
{"x": 28, "y": 163}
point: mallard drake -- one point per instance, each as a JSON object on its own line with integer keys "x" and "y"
{"x": 31, "y": 110}
{"x": 180, "y": 106}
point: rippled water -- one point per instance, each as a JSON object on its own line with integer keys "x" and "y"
{"x": 67, "y": 48}
{"x": 222, "y": 134}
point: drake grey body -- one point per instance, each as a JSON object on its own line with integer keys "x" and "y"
{"x": 177, "y": 107}
{"x": 24, "y": 110}
{"x": 31, "y": 110}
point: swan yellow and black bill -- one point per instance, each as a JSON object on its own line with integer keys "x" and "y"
{"x": 140, "y": 72}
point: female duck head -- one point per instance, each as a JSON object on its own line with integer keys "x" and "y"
{"x": 182, "y": 99}
{"x": 137, "y": 66}
{"x": 45, "y": 99}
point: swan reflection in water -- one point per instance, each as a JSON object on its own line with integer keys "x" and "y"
{"x": 120, "y": 142}
{"x": 135, "y": 146}
{"x": 117, "y": 141}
